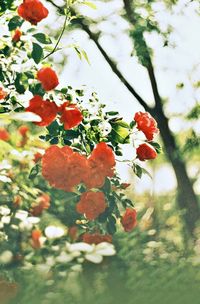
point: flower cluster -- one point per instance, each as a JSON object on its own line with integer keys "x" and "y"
{"x": 147, "y": 124}
{"x": 64, "y": 169}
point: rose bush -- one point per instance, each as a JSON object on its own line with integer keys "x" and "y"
{"x": 59, "y": 181}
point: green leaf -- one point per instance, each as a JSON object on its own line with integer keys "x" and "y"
{"x": 107, "y": 186}
{"x": 90, "y": 4}
{"x": 111, "y": 225}
{"x": 156, "y": 146}
{"x": 34, "y": 171}
{"x": 5, "y": 149}
{"x": 54, "y": 128}
{"x": 120, "y": 132}
{"x": 42, "y": 38}
{"x": 112, "y": 113}
{"x": 132, "y": 124}
{"x": 137, "y": 170}
{"x": 37, "y": 53}
{"x": 21, "y": 83}
{"x": 14, "y": 23}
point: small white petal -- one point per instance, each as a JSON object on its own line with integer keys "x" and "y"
{"x": 94, "y": 258}
{"x": 53, "y": 232}
{"x": 80, "y": 247}
{"x": 105, "y": 249}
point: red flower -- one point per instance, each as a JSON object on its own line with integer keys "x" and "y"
{"x": 71, "y": 116}
{"x": 147, "y": 124}
{"x": 63, "y": 168}
{"x": 4, "y": 135}
{"x": 32, "y": 11}
{"x": 95, "y": 176}
{"x": 3, "y": 94}
{"x": 92, "y": 204}
{"x": 44, "y": 108}
{"x": 42, "y": 203}
{"x": 35, "y": 238}
{"x": 48, "y": 78}
{"x": 23, "y": 130}
{"x": 54, "y": 166}
{"x": 129, "y": 220}
{"x": 17, "y": 35}
{"x": 96, "y": 238}
{"x": 37, "y": 157}
{"x": 145, "y": 152}
{"x": 101, "y": 164}
{"x": 103, "y": 154}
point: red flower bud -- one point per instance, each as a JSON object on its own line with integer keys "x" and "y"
{"x": 32, "y": 11}
{"x": 129, "y": 220}
{"x": 71, "y": 116}
{"x": 145, "y": 152}
{"x": 17, "y": 35}
{"x": 48, "y": 78}
{"x": 4, "y": 135}
{"x": 3, "y": 94}
{"x": 44, "y": 108}
{"x": 23, "y": 130}
{"x": 35, "y": 238}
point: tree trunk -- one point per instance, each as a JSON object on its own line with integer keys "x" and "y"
{"x": 187, "y": 200}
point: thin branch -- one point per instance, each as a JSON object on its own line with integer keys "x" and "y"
{"x": 58, "y": 41}
{"x": 114, "y": 68}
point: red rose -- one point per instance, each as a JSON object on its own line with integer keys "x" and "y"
{"x": 145, "y": 152}
{"x": 35, "y": 238}
{"x": 54, "y": 167}
{"x": 44, "y": 108}
{"x": 95, "y": 176}
{"x": 103, "y": 154}
{"x": 92, "y": 204}
{"x": 32, "y": 11}
{"x": 48, "y": 78}
{"x": 71, "y": 116}
{"x": 101, "y": 164}
{"x": 147, "y": 124}
{"x": 96, "y": 238}
{"x": 3, "y": 94}
{"x": 4, "y": 135}
{"x": 17, "y": 35}
{"x": 63, "y": 168}
{"x": 129, "y": 220}
{"x": 23, "y": 130}
{"x": 42, "y": 203}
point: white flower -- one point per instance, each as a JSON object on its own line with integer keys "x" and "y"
{"x": 21, "y": 215}
{"x": 105, "y": 249}
{"x": 94, "y": 258}
{"x": 81, "y": 246}
{"x": 4, "y": 210}
{"x": 64, "y": 258}
{"x": 5, "y": 179}
{"x": 6, "y": 257}
{"x": 54, "y": 232}
{"x": 5, "y": 219}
